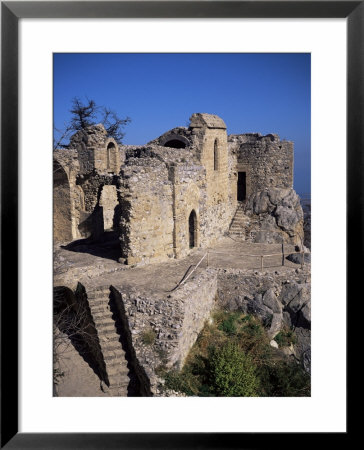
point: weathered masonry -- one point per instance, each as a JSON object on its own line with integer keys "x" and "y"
{"x": 178, "y": 192}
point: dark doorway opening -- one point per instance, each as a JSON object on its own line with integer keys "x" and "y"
{"x": 241, "y": 186}
{"x": 192, "y": 228}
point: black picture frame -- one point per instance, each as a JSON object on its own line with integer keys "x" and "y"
{"x": 11, "y": 12}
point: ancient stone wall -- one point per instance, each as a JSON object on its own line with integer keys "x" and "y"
{"x": 96, "y": 150}
{"x": 146, "y": 211}
{"x": 217, "y": 203}
{"x": 62, "y": 218}
{"x": 109, "y": 204}
{"x": 178, "y": 192}
{"x": 175, "y": 322}
{"x": 267, "y": 161}
{"x": 187, "y": 184}
{"x": 96, "y": 211}
{"x": 65, "y": 195}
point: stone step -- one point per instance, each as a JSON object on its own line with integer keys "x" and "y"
{"x": 119, "y": 380}
{"x": 111, "y": 346}
{"x": 107, "y": 332}
{"x": 97, "y": 294}
{"x": 113, "y": 353}
{"x": 116, "y": 369}
{"x": 101, "y": 315}
{"x": 105, "y": 326}
{"x": 121, "y": 391}
{"x": 110, "y": 338}
{"x": 114, "y": 356}
{"x": 98, "y": 302}
{"x": 98, "y": 308}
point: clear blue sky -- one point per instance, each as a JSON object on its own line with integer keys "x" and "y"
{"x": 265, "y": 93}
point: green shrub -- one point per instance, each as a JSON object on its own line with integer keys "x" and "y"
{"x": 232, "y": 373}
{"x": 232, "y": 357}
{"x": 148, "y": 337}
{"x": 285, "y": 379}
{"x": 285, "y": 338}
{"x": 228, "y": 326}
{"x": 182, "y": 381}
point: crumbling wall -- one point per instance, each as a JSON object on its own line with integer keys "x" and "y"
{"x": 96, "y": 151}
{"x": 146, "y": 211}
{"x": 99, "y": 209}
{"x": 267, "y": 161}
{"x": 62, "y": 218}
{"x": 174, "y": 321}
{"x": 188, "y": 182}
{"x": 108, "y": 203}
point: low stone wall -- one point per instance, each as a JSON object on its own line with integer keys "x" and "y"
{"x": 171, "y": 323}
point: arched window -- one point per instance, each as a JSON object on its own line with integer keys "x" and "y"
{"x": 110, "y": 155}
{"x": 216, "y": 155}
{"x": 192, "y": 229}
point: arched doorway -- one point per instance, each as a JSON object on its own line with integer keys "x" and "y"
{"x": 192, "y": 229}
{"x": 62, "y": 216}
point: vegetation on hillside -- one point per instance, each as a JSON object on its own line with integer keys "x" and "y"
{"x": 232, "y": 357}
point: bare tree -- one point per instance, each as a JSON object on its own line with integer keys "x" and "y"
{"x": 83, "y": 115}
{"x": 86, "y": 114}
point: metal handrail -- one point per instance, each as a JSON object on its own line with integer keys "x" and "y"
{"x": 188, "y": 276}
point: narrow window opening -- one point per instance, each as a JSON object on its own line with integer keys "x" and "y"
{"x": 192, "y": 228}
{"x": 216, "y": 155}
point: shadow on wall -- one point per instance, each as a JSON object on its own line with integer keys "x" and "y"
{"x": 107, "y": 246}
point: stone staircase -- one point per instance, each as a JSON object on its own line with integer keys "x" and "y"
{"x": 109, "y": 338}
{"x": 240, "y": 224}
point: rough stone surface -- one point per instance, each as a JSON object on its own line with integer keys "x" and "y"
{"x": 280, "y": 301}
{"x": 277, "y": 216}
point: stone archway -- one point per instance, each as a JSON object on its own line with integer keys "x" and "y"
{"x": 62, "y": 215}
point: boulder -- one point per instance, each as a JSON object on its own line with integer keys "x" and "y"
{"x": 296, "y": 301}
{"x": 297, "y": 258}
{"x": 276, "y": 325}
{"x": 303, "y": 347}
{"x": 270, "y": 300}
{"x": 276, "y": 215}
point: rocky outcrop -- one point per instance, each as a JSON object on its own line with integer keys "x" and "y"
{"x": 276, "y": 216}
{"x": 280, "y": 300}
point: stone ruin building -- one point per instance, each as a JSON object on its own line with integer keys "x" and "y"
{"x": 180, "y": 191}
{"x": 159, "y": 203}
